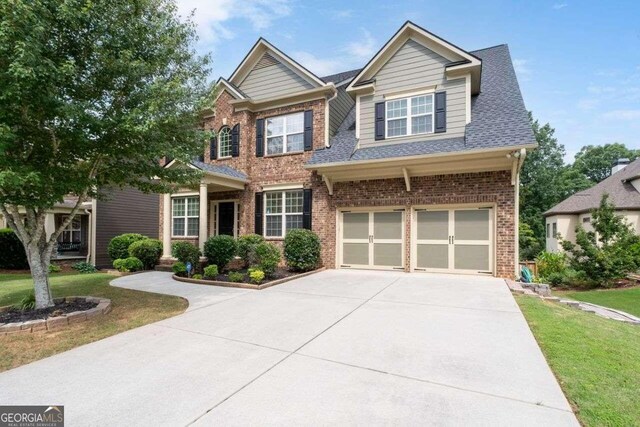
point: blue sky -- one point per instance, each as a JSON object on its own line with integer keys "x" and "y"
{"x": 578, "y": 63}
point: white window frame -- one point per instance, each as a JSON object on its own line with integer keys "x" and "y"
{"x": 283, "y": 214}
{"x": 186, "y": 216}
{"x": 284, "y": 134}
{"x": 409, "y": 116}
{"x": 228, "y": 132}
{"x": 69, "y": 230}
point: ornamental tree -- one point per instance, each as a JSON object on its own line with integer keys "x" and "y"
{"x": 92, "y": 94}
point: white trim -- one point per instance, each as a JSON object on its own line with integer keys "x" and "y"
{"x": 186, "y": 215}
{"x": 93, "y": 220}
{"x": 329, "y": 184}
{"x": 283, "y": 214}
{"x": 228, "y": 87}
{"x": 219, "y": 155}
{"x": 409, "y": 116}
{"x": 358, "y": 103}
{"x": 188, "y": 194}
{"x": 411, "y": 93}
{"x": 284, "y": 133}
{"x": 214, "y": 222}
{"x": 280, "y": 187}
{"x": 407, "y": 178}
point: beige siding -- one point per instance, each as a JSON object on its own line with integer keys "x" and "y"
{"x": 411, "y": 68}
{"x": 339, "y": 108}
{"x": 273, "y": 81}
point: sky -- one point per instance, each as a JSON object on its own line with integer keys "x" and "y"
{"x": 578, "y": 62}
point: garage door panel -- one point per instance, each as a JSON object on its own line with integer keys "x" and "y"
{"x": 387, "y": 225}
{"x": 471, "y": 224}
{"x": 387, "y": 254}
{"x": 432, "y": 256}
{"x": 433, "y": 225}
{"x": 472, "y": 257}
{"x": 356, "y": 225}
{"x": 355, "y": 253}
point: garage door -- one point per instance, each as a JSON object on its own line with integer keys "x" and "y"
{"x": 373, "y": 239}
{"x": 453, "y": 240}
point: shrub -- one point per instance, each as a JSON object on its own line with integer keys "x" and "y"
{"x": 28, "y": 302}
{"x": 236, "y": 276}
{"x": 550, "y": 263}
{"x": 119, "y": 246}
{"x": 179, "y": 269}
{"x": 54, "y": 268}
{"x": 256, "y": 275}
{"x": 219, "y": 250}
{"x": 148, "y": 251}
{"x": 246, "y": 247}
{"x": 302, "y": 249}
{"x": 211, "y": 271}
{"x": 12, "y": 254}
{"x": 197, "y": 276}
{"x": 129, "y": 264}
{"x": 186, "y": 252}
{"x": 267, "y": 258}
{"x": 84, "y": 267}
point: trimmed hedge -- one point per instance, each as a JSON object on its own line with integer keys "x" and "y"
{"x": 186, "y": 252}
{"x": 302, "y": 249}
{"x": 129, "y": 264}
{"x": 247, "y": 246}
{"x": 12, "y": 253}
{"x": 220, "y": 250}
{"x": 148, "y": 251}
{"x": 267, "y": 258}
{"x": 211, "y": 271}
{"x": 119, "y": 246}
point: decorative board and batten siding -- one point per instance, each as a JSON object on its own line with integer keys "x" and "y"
{"x": 412, "y": 68}
{"x": 271, "y": 78}
{"x": 339, "y": 108}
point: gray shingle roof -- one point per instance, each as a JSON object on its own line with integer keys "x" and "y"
{"x": 621, "y": 192}
{"x": 340, "y": 77}
{"x": 219, "y": 169}
{"x": 498, "y": 119}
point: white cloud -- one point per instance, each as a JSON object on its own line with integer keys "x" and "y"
{"x": 588, "y": 104}
{"x": 342, "y": 14}
{"x": 522, "y": 69}
{"x": 210, "y": 16}
{"x": 558, "y": 6}
{"x": 599, "y": 90}
{"x": 362, "y": 48}
{"x": 626, "y": 115}
{"x": 318, "y": 66}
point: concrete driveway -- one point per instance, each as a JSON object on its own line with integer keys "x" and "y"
{"x": 344, "y": 347}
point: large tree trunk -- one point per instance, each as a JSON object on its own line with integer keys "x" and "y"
{"x": 39, "y": 260}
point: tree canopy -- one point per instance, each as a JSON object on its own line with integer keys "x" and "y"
{"x": 594, "y": 161}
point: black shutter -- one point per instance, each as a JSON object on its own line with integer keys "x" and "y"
{"x": 259, "y": 137}
{"x": 213, "y": 148}
{"x": 441, "y": 112}
{"x": 258, "y": 215}
{"x": 380, "y": 110}
{"x": 308, "y": 130}
{"x": 235, "y": 140}
{"x": 167, "y": 160}
{"x": 306, "y": 209}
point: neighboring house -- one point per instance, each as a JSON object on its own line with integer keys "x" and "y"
{"x": 98, "y": 221}
{"x": 410, "y": 163}
{"x": 623, "y": 188}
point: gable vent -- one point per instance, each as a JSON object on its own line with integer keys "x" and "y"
{"x": 266, "y": 61}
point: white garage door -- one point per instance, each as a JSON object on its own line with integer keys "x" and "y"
{"x": 453, "y": 240}
{"x": 373, "y": 239}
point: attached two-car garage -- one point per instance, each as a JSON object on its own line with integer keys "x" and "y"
{"x": 441, "y": 239}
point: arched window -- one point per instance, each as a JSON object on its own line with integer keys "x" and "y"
{"x": 224, "y": 143}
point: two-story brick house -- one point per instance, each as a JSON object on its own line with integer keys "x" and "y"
{"x": 410, "y": 163}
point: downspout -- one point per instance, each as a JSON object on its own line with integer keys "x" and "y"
{"x": 326, "y": 118}
{"x": 520, "y": 159}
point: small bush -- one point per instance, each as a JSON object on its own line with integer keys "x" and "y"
{"x": 148, "y": 251}
{"x": 179, "y": 269}
{"x": 267, "y": 258}
{"x": 236, "y": 276}
{"x": 186, "y": 252}
{"x": 211, "y": 271}
{"x": 119, "y": 246}
{"x": 197, "y": 276}
{"x": 246, "y": 247}
{"x": 28, "y": 302}
{"x": 129, "y": 264}
{"x": 12, "y": 254}
{"x": 302, "y": 249}
{"x": 54, "y": 268}
{"x": 84, "y": 267}
{"x": 256, "y": 275}
{"x": 555, "y": 279}
{"x": 551, "y": 264}
{"x": 219, "y": 250}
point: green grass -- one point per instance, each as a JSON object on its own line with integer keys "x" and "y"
{"x": 596, "y": 360}
{"x": 130, "y": 309}
{"x": 625, "y": 299}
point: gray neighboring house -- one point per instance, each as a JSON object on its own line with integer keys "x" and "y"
{"x": 623, "y": 188}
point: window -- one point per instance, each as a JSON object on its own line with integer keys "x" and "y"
{"x": 285, "y": 134}
{"x": 555, "y": 229}
{"x": 283, "y": 212}
{"x": 586, "y": 220}
{"x": 224, "y": 143}
{"x": 186, "y": 212}
{"x": 409, "y": 116}
{"x": 71, "y": 234}
{"x": 548, "y": 230}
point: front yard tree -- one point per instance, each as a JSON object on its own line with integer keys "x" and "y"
{"x": 594, "y": 161}
{"x": 92, "y": 94}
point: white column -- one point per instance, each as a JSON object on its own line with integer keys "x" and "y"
{"x": 49, "y": 225}
{"x": 166, "y": 225}
{"x": 204, "y": 200}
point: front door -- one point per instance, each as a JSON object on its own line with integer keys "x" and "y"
{"x": 226, "y": 218}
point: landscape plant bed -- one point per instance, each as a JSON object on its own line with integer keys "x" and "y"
{"x": 66, "y": 310}
{"x": 281, "y": 276}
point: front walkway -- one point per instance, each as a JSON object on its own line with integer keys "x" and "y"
{"x": 345, "y": 347}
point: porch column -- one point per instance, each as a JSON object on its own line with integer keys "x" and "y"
{"x": 204, "y": 200}
{"x": 166, "y": 225}
{"x": 49, "y": 225}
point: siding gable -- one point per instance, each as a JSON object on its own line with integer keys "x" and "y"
{"x": 338, "y": 109}
{"x": 271, "y": 78}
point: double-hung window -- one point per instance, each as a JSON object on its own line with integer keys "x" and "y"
{"x": 224, "y": 143}
{"x": 283, "y": 212}
{"x": 186, "y": 212}
{"x": 409, "y": 116}
{"x": 72, "y": 234}
{"x": 285, "y": 134}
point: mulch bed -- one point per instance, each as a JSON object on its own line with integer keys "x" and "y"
{"x": 280, "y": 273}
{"x": 14, "y": 315}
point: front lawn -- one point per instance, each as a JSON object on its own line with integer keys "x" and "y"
{"x": 596, "y": 360}
{"x": 625, "y": 299}
{"x": 130, "y": 309}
